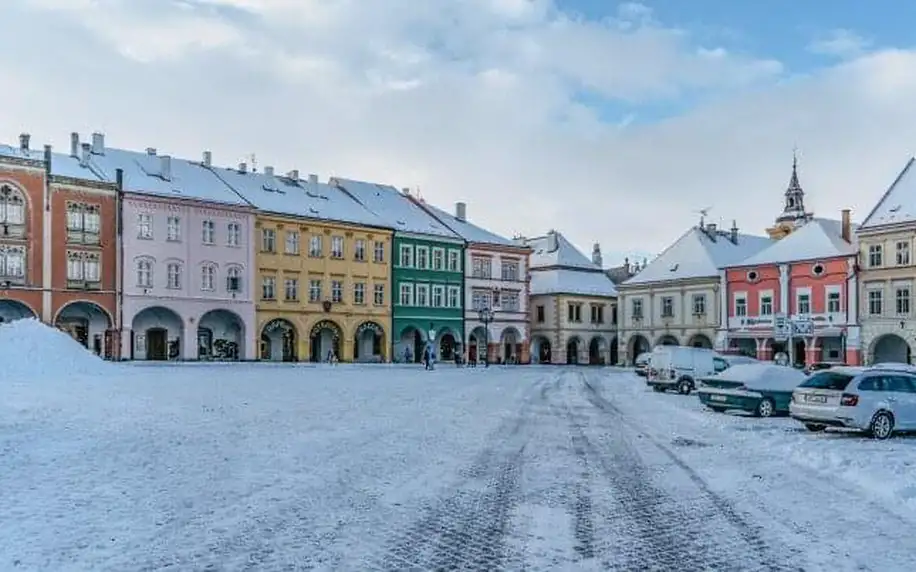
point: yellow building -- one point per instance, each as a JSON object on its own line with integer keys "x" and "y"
{"x": 321, "y": 269}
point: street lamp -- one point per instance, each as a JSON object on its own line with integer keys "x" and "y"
{"x": 486, "y": 316}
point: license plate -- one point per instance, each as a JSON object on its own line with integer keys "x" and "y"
{"x": 816, "y": 399}
{"x": 718, "y": 398}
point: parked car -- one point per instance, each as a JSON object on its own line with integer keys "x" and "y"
{"x": 763, "y": 389}
{"x": 678, "y": 367}
{"x": 737, "y": 359}
{"x": 878, "y": 400}
{"x": 820, "y": 365}
{"x": 642, "y": 364}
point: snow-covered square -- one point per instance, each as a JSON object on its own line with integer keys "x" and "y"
{"x": 294, "y": 467}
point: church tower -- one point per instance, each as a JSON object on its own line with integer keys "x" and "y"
{"x": 793, "y": 212}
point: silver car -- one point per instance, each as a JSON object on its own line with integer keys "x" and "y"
{"x": 878, "y": 400}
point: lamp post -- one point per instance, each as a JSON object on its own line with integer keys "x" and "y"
{"x": 486, "y": 316}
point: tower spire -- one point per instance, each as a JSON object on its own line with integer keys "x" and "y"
{"x": 794, "y": 208}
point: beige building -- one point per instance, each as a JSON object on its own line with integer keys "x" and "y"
{"x": 573, "y": 304}
{"x": 676, "y": 298}
{"x": 887, "y": 272}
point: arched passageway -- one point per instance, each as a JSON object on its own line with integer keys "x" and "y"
{"x": 572, "y": 351}
{"x": 220, "y": 335}
{"x": 279, "y": 341}
{"x": 597, "y": 349}
{"x": 89, "y": 324}
{"x": 890, "y": 348}
{"x": 369, "y": 343}
{"x": 324, "y": 341}
{"x": 157, "y": 334}
{"x": 700, "y": 341}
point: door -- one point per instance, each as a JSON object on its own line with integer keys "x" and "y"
{"x": 902, "y": 389}
{"x": 156, "y": 344}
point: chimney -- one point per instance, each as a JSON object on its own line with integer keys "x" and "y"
{"x": 294, "y": 175}
{"x": 75, "y": 145}
{"x": 119, "y": 179}
{"x": 243, "y": 167}
{"x": 405, "y": 190}
{"x": 151, "y": 151}
{"x": 165, "y": 167}
{"x": 48, "y": 159}
{"x": 24, "y": 141}
{"x": 207, "y": 159}
{"x": 734, "y": 231}
{"x": 712, "y": 228}
{"x": 846, "y": 229}
{"x": 461, "y": 211}
{"x": 84, "y": 156}
{"x": 596, "y": 256}
{"x": 313, "y": 179}
{"x": 268, "y": 170}
{"x": 552, "y": 242}
{"x": 98, "y": 143}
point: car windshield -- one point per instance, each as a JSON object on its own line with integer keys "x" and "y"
{"x": 828, "y": 380}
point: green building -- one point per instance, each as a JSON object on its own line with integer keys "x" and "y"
{"x": 427, "y": 262}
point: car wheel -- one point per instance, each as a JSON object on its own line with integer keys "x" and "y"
{"x": 882, "y": 425}
{"x": 814, "y": 427}
{"x": 684, "y": 387}
{"x": 765, "y": 408}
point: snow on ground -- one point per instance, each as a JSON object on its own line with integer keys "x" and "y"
{"x": 292, "y": 467}
{"x": 30, "y": 349}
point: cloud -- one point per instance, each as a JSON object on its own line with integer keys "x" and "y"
{"x": 473, "y": 100}
{"x": 840, "y": 43}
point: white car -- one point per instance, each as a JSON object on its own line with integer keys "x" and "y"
{"x": 878, "y": 400}
{"x": 679, "y": 367}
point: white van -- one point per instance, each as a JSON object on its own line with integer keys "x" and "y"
{"x": 677, "y": 367}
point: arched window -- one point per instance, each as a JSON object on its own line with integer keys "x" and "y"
{"x": 234, "y": 279}
{"x": 145, "y": 273}
{"x": 12, "y": 212}
{"x": 12, "y": 263}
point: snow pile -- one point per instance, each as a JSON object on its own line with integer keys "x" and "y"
{"x": 763, "y": 376}
{"x": 30, "y": 349}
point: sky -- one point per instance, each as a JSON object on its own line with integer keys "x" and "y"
{"x": 611, "y": 122}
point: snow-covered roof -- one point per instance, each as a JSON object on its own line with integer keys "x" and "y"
{"x": 20, "y": 153}
{"x": 565, "y": 254}
{"x": 396, "y": 210}
{"x": 294, "y": 196}
{"x": 898, "y": 205}
{"x": 818, "y": 238}
{"x": 697, "y": 255}
{"x": 466, "y": 230}
{"x": 568, "y": 281}
{"x": 69, "y": 166}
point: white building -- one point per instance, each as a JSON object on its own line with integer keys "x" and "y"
{"x": 496, "y": 278}
{"x": 675, "y": 299}
{"x": 573, "y": 304}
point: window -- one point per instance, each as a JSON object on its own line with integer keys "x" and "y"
{"x": 454, "y": 261}
{"x": 173, "y": 273}
{"x": 12, "y": 262}
{"x": 509, "y": 301}
{"x": 667, "y": 307}
{"x": 208, "y": 232}
{"x": 438, "y": 296}
{"x": 292, "y": 242}
{"x": 234, "y": 279}
{"x": 359, "y": 293}
{"x": 144, "y": 226}
{"x": 359, "y": 250}
{"x": 614, "y": 314}
{"x": 378, "y": 294}
{"x": 480, "y": 299}
{"x": 875, "y": 302}
{"x": 379, "y": 251}
{"x": 481, "y": 267}
{"x": 803, "y": 302}
{"x": 539, "y": 312}
{"x": 145, "y": 273}
{"x": 574, "y": 312}
{"x": 268, "y": 240}
{"x": 903, "y": 253}
{"x": 719, "y": 365}
{"x": 699, "y": 304}
{"x": 454, "y": 297}
{"x": 422, "y": 295}
{"x": 234, "y": 234}
{"x": 83, "y": 223}
{"x": 406, "y": 256}
{"x": 173, "y": 229}
{"x": 337, "y": 291}
{"x": 207, "y": 277}
{"x": 83, "y": 266}
{"x": 74, "y": 266}
{"x": 406, "y": 295}
{"x": 833, "y": 301}
{"x": 510, "y": 271}
{"x": 422, "y": 257}
{"x": 637, "y": 309}
{"x": 268, "y": 288}
{"x": 12, "y": 206}
{"x": 597, "y": 311}
{"x": 740, "y": 305}
{"x": 316, "y": 249}
{"x": 438, "y": 259}
{"x": 903, "y": 301}
{"x": 337, "y": 247}
{"x": 291, "y": 287}
{"x": 875, "y": 255}
{"x": 314, "y": 290}
{"x": 766, "y": 304}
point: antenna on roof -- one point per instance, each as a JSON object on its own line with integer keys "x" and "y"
{"x": 703, "y": 214}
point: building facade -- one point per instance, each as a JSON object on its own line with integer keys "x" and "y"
{"x": 573, "y": 304}
{"x": 887, "y": 274}
{"x": 497, "y": 280}
{"x": 324, "y": 266}
{"x": 676, "y": 299}
{"x": 427, "y": 275}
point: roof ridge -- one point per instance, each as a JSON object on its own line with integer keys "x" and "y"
{"x": 888, "y": 192}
